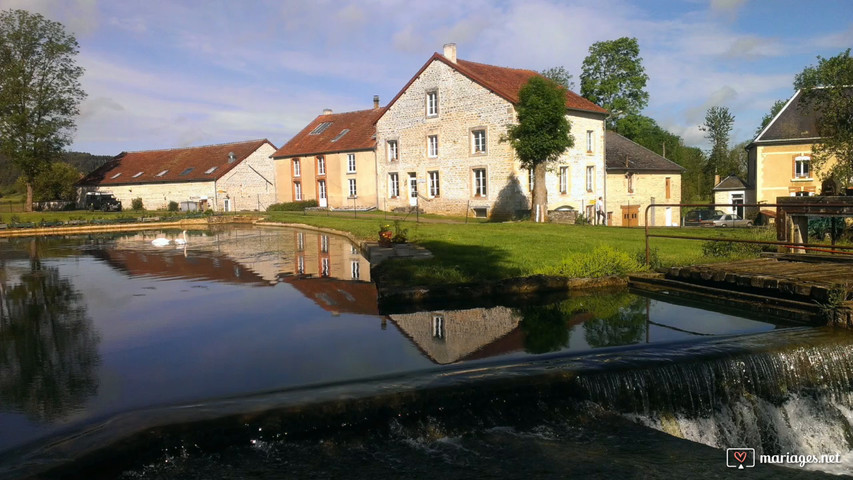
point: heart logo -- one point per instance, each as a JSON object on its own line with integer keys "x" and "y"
{"x": 740, "y": 456}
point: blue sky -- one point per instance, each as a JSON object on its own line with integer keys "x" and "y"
{"x": 174, "y": 73}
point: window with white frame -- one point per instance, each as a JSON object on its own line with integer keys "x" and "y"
{"x": 531, "y": 180}
{"x": 300, "y": 264}
{"x": 300, "y": 241}
{"x": 297, "y": 169}
{"x": 480, "y": 182}
{"x": 356, "y": 270}
{"x": 564, "y": 179}
{"x": 432, "y": 103}
{"x": 438, "y": 327}
{"x": 630, "y": 177}
{"x": 352, "y": 189}
{"x": 297, "y": 191}
{"x": 478, "y": 141}
{"x": 350, "y": 163}
{"x": 392, "y": 150}
{"x": 326, "y": 269}
{"x": 324, "y": 243}
{"x": 432, "y": 146}
{"x": 433, "y": 184}
{"x": 802, "y": 167}
{"x": 393, "y": 185}
{"x": 590, "y": 178}
{"x": 321, "y": 165}
{"x": 589, "y": 141}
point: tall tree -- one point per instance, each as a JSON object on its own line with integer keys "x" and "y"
{"x": 717, "y": 127}
{"x": 560, "y": 76}
{"x": 613, "y": 77}
{"x": 774, "y": 110}
{"x": 828, "y": 89}
{"x": 40, "y": 91}
{"x": 541, "y": 135}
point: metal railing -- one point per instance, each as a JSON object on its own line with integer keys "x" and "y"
{"x": 832, "y": 248}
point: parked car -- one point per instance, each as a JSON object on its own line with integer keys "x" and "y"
{"x": 731, "y": 220}
{"x": 106, "y": 202}
{"x": 702, "y": 216}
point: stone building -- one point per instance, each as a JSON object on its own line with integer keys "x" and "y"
{"x": 438, "y": 144}
{"x": 636, "y": 178}
{"x": 332, "y": 160}
{"x": 225, "y": 177}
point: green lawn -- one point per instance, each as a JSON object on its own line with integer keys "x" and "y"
{"x": 476, "y": 251}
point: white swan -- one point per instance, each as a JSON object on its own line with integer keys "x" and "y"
{"x": 160, "y": 242}
{"x": 182, "y": 240}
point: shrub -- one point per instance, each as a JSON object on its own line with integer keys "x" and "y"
{"x": 602, "y": 261}
{"x": 729, "y": 249}
{"x": 401, "y": 235}
{"x": 292, "y": 206}
{"x": 173, "y": 206}
{"x": 136, "y": 204}
{"x": 654, "y": 258}
{"x": 582, "y": 220}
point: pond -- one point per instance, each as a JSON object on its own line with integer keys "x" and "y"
{"x": 106, "y": 337}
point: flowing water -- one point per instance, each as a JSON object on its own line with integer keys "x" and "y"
{"x": 262, "y": 353}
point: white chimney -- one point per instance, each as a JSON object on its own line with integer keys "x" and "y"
{"x": 327, "y": 111}
{"x": 450, "y": 52}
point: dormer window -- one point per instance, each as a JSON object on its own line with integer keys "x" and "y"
{"x": 115, "y": 176}
{"x": 432, "y": 103}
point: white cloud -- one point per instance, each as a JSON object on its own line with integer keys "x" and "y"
{"x": 80, "y": 17}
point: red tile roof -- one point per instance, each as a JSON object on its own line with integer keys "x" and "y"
{"x": 504, "y": 82}
{"x": 123, "y": 169}
{"x": 361, "y": 134}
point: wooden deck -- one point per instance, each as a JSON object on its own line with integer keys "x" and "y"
{"x": 793, "y": 285}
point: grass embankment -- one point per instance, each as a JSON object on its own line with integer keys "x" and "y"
{"x": 493, "y": 251}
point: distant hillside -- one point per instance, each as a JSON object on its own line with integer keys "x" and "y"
{"x": 83, "y": 162}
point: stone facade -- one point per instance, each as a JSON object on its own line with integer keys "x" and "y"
{"x": 464, "y": 109}
{"x": 646, "y": 189}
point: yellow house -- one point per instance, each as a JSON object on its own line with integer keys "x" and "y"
{"x": 779, "y": 159}
{"x": 332, "y": 161}
{"x": 636, "y": 178}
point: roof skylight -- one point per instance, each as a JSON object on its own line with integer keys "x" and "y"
{"x": 320, "y": 128}
{"x": 343, "y": 132}
{"x": 115, "y": 176}
{"x": 138, "y": 174}
{"x": 162, "y": 173}
{"x": 210, "y": 170}
{"x": 187, "y": 171}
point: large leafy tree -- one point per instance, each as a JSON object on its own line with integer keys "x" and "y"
{"x": 541, "y": 135}
{"x": 613, "y": 77}
{"x": 560, "y": 76}
{"x": 40, "y": 91}
{"x": 828, "y": 89}
{"x": 718, "y": 129}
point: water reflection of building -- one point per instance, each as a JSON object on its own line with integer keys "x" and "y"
{"x": 243, "y": 255}
{"x": 448, "y": 336}
{"x": 337, "y": 296}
